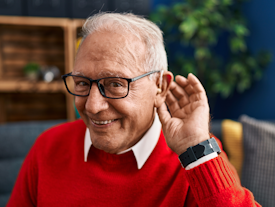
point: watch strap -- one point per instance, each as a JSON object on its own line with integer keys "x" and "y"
{"x": 196, "y": 152}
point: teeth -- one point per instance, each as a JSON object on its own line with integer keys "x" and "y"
{"x": 103, "y": 122}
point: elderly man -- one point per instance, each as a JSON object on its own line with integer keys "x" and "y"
{"x": 128, "y": 150}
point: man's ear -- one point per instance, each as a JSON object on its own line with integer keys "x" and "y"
{"x": 163, "y": 87}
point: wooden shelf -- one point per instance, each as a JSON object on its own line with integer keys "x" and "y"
{"x": 26, "y": 86}
{"x": 46, "y": 41}
{"x": 35, "y": 21}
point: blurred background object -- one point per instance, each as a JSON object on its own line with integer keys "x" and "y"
{"x": 49, "y": 73}
{"x": 229, "y": 45}
{"x": 27, "y": 45}
{"x": 31, "y": 71}
{"x": 11, "y": 7}
{"x": 71, "y": 8}
{"x": 201, "y": 26}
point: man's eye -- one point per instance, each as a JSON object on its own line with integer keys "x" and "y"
{"x": 112, "y": 83}
{"x": 116, "y": 84}
{"x": 81, "y": 83}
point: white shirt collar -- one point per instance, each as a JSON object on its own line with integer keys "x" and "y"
{"x": 141, "y": 150}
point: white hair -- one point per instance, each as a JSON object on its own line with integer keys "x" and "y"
{"x": 143, "y": 29}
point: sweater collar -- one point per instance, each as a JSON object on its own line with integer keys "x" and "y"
{"x": 141, "y": 150}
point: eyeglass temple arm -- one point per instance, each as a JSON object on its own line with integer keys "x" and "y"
{"x": 146, "y": 74}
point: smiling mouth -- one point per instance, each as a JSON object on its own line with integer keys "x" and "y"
{"x": 103, "y": 122}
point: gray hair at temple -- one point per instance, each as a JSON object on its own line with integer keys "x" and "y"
{"x": 143, "y": 29}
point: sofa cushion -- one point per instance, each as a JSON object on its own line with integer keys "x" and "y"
{"x": 9, "y": 170}
{"x": 258, "y": 173}
{"x": 232, "y": 137}
{"x": 4, "y": 199}
{"x": 17, "y": 138}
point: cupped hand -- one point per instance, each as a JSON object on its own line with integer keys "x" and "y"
{"x": 187, "y": 124}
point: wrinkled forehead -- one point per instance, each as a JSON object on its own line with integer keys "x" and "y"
{"x": 123, "y": 48}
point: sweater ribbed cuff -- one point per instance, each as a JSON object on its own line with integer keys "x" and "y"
{"x": 210, "y": 178}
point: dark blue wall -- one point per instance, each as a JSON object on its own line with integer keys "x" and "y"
{"x": 259, "y": 100}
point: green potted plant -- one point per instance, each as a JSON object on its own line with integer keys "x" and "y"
{"x": 31, "y": 71}
{"x": 200, "y": 25}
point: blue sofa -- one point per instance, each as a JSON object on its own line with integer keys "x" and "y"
{"x": 16, "y": 140}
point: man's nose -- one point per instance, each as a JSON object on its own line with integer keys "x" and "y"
{"x": 96, "y": 102}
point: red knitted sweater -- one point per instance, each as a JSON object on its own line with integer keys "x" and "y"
{"x": 54, "y": 174}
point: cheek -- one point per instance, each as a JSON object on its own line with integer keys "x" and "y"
{"x": 142, "y": 99}
{"x": 137, "y": 108}
{"x": 80, "y": 103}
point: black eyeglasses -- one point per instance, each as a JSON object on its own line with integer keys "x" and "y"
{"x": 110, "y": 87}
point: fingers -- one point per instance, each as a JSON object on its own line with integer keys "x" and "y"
{"x": 194, "y": 86}
{"x": 195, "y": 90}
{"x": 184, "y": 91}
{"x": 177, "y": 88}
{"x": 187, "y": 87}
{"x": 172, "y": 102}
{"x": 164, "y": 115}
{"x": 177, "y": 97}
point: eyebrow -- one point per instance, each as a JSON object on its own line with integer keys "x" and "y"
{"x": 111, "y": 74}
{"x": 103, "y": 74}
{"x": 77, "y": 73}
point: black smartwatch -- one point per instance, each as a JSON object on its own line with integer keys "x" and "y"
{"x": 200, "y": 150}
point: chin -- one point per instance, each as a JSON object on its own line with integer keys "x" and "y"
{"x": 106, "y": 147}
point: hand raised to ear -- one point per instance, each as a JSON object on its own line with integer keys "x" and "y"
{"x": 187, "y": 125}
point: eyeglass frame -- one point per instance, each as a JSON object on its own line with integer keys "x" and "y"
{"x": 129, "y": 80}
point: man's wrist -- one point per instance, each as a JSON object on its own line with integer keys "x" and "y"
{"x": 201, "y": 160}
{"x": 198, "y": 151}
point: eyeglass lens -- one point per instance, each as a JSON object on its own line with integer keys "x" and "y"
{"x": 109, "y": 87}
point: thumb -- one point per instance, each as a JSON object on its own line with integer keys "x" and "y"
{"x": 164, "y": 115}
